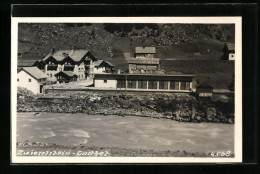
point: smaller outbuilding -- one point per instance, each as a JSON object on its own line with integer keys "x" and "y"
{"x": 66, "y": 77}
{"x": 32, "y": 78}
{"x": 229, "y": 52}
{"x": 102, "y": 66}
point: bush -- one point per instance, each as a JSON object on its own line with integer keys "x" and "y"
{"x": 23, "y": 92}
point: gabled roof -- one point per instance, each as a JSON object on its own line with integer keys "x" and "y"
{"x": 75, "y": 55}
{"x": 34, "y": 72}
{"x": 109, "y": 63}
{"x": 99, "y": 62}
{"x": 145, "y": 50}
{"x": 230, "y": 46}
{"x": 68, "y": 73}
{"x": 37, "y": 62}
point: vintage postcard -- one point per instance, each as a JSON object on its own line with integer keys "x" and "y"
{"x": 126, "y": 90}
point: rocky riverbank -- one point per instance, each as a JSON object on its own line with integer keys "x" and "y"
{"x": 180, "y": 107}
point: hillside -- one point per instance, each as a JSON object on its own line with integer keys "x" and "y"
{"x": 110, "y": 41}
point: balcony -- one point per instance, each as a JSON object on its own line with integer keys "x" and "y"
{"x": 150, "y": 61}
{"x": 52, "y": 67}
{"x": 68, "y": 67}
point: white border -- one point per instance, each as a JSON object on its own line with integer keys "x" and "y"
{"x": 199, "y": 20}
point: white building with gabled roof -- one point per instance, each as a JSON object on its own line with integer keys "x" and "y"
{"x": 32, "y": 78}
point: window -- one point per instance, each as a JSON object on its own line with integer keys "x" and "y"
{"x": 131, "y": 84}
{"x": 174, "y": 85}
{"x": 50, "y": 75}
{"x": 182, "y": 85}
{"x": 152, "y": 84}
{"x": 163, "y": 84}
{"x": 17, "y": 79}
{"x": 47, "y": 74}
{"x": 105, "y": 81}
{"x": 187, "y": 85}
{"x": 142, "y": 84}
{"x": 121, "y": 83}
{"x": 29, "y": 80}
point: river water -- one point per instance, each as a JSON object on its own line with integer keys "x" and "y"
{"x": 124, "y": 132}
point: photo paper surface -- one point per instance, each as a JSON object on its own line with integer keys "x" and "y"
{"x": 126, "y": 90}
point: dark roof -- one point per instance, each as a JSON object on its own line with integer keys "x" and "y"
{"x": 75, "y": 55}
{"x": 68, "y": 73}
{"x": 99, "y": 62}
{"x": 109, "y": 63}
{"x": 230, "y": 46}
{"x": 145, "y": 50}
{"x": 38, "y": 62}
{"x": 35, "y": 72}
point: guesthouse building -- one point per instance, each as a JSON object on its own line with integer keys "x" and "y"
{"x": 78, "y": 64}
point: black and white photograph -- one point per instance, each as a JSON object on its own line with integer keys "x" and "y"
{"x": 126, "y": 90}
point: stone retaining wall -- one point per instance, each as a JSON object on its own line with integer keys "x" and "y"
{"x": 181, "y": 107}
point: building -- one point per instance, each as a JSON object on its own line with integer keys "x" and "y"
{"x": 144, "y": 61}
{"x": 102, "y": 66}
{"x": 145, "y": 82}
{"x": 145, "y": 75}
{"x": 229, "y": 52}
{"x": 31, "y": 78}
{"x": 78, "y": 62}
{"x": 65, "y": 77}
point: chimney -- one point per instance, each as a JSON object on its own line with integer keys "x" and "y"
{"x": 118, "y": 71}
{"x": 52, "y": 51}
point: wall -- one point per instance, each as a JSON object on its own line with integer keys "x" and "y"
{"x": 51, "y": 73}
{"x": 79, "y": 70}
{"x": 99, "y": 69}
{"x": 102, "y": 84}
{"x": 231, "y": 56}
{"x": 23, "y": 77}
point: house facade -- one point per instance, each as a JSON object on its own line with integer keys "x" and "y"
{"x": 32, "y": 78}
{"x": 102, "y": 66}
{"x": 78, "y": 62}
{"x": 66, "y": 77}
{"x": 144, "y": 61}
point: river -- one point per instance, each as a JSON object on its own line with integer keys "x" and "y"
{"x": 126, "y": 132}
